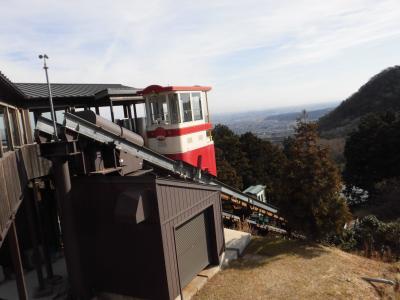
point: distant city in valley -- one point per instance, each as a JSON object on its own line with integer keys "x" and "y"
{"x": 272, "y": 124}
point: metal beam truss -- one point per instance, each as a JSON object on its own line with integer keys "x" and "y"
{"x": 79, "y": 126}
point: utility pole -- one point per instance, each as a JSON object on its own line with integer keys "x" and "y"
{"x": 53, "y": 115}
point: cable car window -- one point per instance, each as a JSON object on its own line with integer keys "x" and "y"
{"x": 5, "y": 142}
{"x": 206, "y": 114}
{"x": 158, "y": 109}
{"x": 187, "y": 107}
{"x": 196, "y": 103}
{"x": 174, "y": 108}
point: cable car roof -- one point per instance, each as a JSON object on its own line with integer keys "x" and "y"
{"x": 159, "y": 89}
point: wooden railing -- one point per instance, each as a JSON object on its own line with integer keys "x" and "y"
{"x": 17, "y": 168}
{"x": 10, "y": 190}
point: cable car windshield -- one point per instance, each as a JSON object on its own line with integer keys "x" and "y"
{"x": 187, "y": 107}
{"x": 175, "y": 108}
{"x": 158, "y": 109}
{"x": 196, "y": 102}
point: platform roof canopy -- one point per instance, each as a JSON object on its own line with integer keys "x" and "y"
{"x": 78, "y": 94}
{"x": 9, "y": 93}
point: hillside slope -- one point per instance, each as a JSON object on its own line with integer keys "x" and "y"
{"x": 381, "y": 93}
{"x": 283, "y": 269}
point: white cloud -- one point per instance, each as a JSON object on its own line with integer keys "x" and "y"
{"x": 268, "y": 53}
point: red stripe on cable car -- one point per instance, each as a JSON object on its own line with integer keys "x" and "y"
{"x": 177, "y": 131}
{"x": 207, "y": 158}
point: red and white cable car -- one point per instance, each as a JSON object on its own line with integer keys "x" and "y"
{"x": 178, "y": 124}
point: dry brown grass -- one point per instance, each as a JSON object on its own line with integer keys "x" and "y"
{"x": 244, "y": 226}
{"x": 287, "y": 269}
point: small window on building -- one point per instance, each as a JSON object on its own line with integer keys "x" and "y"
{"x": 32, "y": 121}
{"x": 5, "y": 142}
{"x": 174, "y": 108}
{"x": 14, "y": 129}
{"x": 22, "y": 128}
{"x": 196, "y": 103}
{"x": 186, "y": 106}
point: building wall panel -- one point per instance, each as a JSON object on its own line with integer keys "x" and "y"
{"x": 177, "y": 203}
{"x": 10, "y": 190}
{"x": 16, "y": 169}
{"x": 35, "y": 165}
{"x": 121, "y": 257}
{"x": 4, "y": 203}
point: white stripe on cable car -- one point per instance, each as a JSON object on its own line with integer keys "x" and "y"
{"x": 180, "y": 144}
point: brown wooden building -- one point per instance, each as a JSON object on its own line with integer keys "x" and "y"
{"x": 145, "y": 236}
{"x": 20, "y": 164}
{"x": 24, "y": 174}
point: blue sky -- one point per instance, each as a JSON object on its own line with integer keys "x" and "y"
{"x": 255, "y": 54}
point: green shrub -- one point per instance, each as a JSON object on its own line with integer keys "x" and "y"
{"x": 370, "y": 234}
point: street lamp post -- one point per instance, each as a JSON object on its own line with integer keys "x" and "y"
{"x": 53, "y": 115}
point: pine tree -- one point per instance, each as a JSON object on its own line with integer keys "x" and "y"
{"x": 311, "y": 198}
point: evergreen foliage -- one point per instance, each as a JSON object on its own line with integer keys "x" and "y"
{"x": 247, "y": 160}
{"x": 372, "y": 152}
{"x": 300, "y": 178}
{"x": 311, "y": 196}
{"x": 229, "y": 154}
{"x": 227, "y": 173}
{"x": 266, "y": 163}
{"x": 370, "y": 234}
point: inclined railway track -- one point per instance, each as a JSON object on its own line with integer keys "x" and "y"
{"x": 80, "y": 126}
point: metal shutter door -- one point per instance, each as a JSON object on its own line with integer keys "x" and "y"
{"x": 192, "y": 248}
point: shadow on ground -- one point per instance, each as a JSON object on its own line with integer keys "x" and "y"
{"x": 262, "y": 251}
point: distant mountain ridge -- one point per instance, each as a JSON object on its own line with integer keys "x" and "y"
{"x": 271, "y": 125}
{"x": 259, "y": 115}
{"x": 381, "y": 93}
{"x": 293, "y": 116}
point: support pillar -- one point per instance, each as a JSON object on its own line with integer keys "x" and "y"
{"x": 112, "y": 111}
{"x": 131, "y": 121}
{"x": 16, "y": 258}
{"x": 62, "y": 179}
{"x": 51, "y": 278}
{"x": 135, "y": 115}
{"x": 125, "y": 108}
{"x": 41, "y": 290}
{"x": 128, "y": 107}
